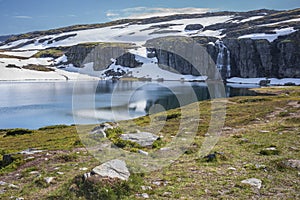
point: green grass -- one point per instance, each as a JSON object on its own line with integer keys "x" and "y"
{"x": 252, "y": 124}
{"x": 40, "y": 68}
{"x": 53, "y": 52}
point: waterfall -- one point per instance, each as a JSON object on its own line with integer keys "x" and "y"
{"x": 228, "y": 69}
{"x": 223, "y": 59}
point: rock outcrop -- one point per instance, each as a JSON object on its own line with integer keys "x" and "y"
{"x": 193, "y": 27}
{"x": 246, "y": 58}
{"x": 101, "y": 55}
{"x": 128, "y": 60}
{"x": 113, "y": 169}
{"x": 143, "y": 138}
{"x": 261, "y": 58}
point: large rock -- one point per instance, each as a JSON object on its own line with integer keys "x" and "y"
{"x": 113, "y": 169}
{"x": 143, "y": 138}
{"x": 253, "y": 182}
{"x": 98, "y": 53}
{"x": 128, "y": 60}
{"x": 182, "y": 55}
{"x": 193, "y": 27}
{"x": 100, "y": 130}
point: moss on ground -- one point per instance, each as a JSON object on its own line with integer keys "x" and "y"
{"x": 252, "y": 124}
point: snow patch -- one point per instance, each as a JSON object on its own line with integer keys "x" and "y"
{"x": 281, "y": 22}
{"x": 25, "y": 54}
{"x": 269, "y": 37}
{"x": 120, "y": 33}
{"x": 251, "y": 18}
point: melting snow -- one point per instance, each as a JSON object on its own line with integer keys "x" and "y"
{"x": 281, "y": 22}
{"x": 26, "y": 54}
{"x": 251, "y": 18}
{"x": 269, "y": 37}
{"x": 126, "y": 33}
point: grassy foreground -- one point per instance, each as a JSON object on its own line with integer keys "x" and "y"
{"x": 252, "y": 124}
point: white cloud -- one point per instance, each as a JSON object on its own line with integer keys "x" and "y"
{"x": 22, "y": 17}
{"x": 143, "y": 12}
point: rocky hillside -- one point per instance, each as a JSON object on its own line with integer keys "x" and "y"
{"x": 260, "y": 43}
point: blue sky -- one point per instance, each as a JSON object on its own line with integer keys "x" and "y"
{"x": 19, "y": 16}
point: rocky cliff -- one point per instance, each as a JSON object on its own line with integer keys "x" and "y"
{"x": 261, "y": 58}
{"x": 101, "y": 54}
{"x": 246, "y": 58}
{"x": 259, "y": 43}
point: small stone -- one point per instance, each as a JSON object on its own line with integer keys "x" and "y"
{"x": 269, "y": 151}
{"x": 231, "y": 168}
{"x": 34, "y": 172}
{"x": 293, "y": 164}
{"x": 258, "y": 166}
{"x": 56, "y": 168}
{"x": 49, "y": 179}
{"x": 253, "y": 182}
{"x": 146, "y": 188}
{"x": 3, "y": 183}
{"x": 19, "y": 198}
{"x": 244, "y": 140}
{"x": 145, "y": 196}
{"x": 165, "y": 149}
{"x": 294, "y": 148}
{"x": 83, "y": 169}
{"x": 29, "y": 158}
{"x": 167, "y": 194}
{"x": 166, "y": 183}
{"x": 60, "y": 173}
{"x": 143, "y": 152}
{"x": 12, "y": 186}
{"x": 264, "y": 131}
{"x": 158, "y": 183}
{"x": 46, "y": 159}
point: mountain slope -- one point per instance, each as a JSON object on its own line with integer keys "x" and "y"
{"x": 261, "y": 43}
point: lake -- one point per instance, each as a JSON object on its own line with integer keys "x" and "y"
{"x": 37, "y": 104}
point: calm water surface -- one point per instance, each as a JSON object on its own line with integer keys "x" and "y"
{"x": 34, "y": 104}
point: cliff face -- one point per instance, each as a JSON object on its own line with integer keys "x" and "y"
{"x": 184, "y": 55}
{"x": 260, "y": 58}
{"x": 246, "y": 58}
{"x": 101, "y": 54}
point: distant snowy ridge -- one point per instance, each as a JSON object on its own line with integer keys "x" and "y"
{"x": 240, "y": 44}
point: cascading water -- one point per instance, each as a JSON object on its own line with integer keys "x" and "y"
{"x": 223, "y": 59}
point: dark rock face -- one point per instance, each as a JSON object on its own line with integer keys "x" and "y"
{"x": 183, "y": 55}
{"x": 193, "y": 27}
{"x": 101, "y": 55}
{"x": 248, "y": 58}
{"x": 260, "y": 58}
{"x": 128, "y": 60}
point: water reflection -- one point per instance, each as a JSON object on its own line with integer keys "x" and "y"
{"x": 33, "y": 105}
